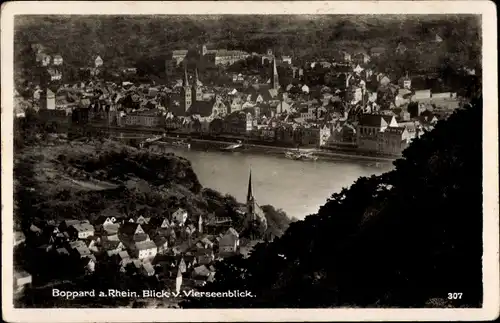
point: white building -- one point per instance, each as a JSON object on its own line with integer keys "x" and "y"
{"x": 145, "y": 249}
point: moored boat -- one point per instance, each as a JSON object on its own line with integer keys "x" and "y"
{"x": 298, "y": 155}
{"x": 233, "y": 146}
{"x": 182, "y": 143}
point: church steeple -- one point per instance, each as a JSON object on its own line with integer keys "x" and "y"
{"x": 185, "y": 81}
{"x": 195, "y": 77}
{"x": 274, "y": 78}
{"x": 186, "y": 95}
{"x": 196, "y": 92}
{"x": 250, "y": 194}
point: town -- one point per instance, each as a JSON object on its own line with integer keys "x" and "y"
{"x": 277, "y": 100}
{"x": 343, "y": 102}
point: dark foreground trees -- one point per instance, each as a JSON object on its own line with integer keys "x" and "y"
{"x": 402, "y": 239}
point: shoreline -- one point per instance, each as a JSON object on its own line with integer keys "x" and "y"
{"x": 209, "y": 144}
{"x": 218, "y": 143}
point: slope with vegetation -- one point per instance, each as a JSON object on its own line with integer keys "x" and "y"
{"x": 145, "y": 42}
{"x": 406, "y": 238}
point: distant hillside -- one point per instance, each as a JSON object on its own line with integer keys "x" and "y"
{"x": 123, "y": 40}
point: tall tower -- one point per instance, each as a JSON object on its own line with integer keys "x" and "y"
{"x": 250, "y": 199}
{"x": 178, "y": 281}
{"x": 196, "y": 93}
{"x": 186, "y": 98}
{"x": 275, "y": 84}
{"x": 200, "y": 225}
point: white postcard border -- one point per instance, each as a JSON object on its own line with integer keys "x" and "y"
{"x": 491, "y": 269}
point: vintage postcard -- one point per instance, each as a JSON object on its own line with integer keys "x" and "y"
{"x": 249, "y": 161}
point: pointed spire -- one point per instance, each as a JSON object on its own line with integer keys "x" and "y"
{"x": 249, "y": 194}
{"x": 185, "y": 82}
{"x": 196, "y": 77}
{"x": 178, "y": 281}
{"x": 274, "y": 77}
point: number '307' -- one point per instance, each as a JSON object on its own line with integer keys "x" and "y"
{"x": 454, "y": 295}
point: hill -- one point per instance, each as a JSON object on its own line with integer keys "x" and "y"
{"x": 124, "y": 41}
{"x": 406, "y": 238}
{"x": 70, "y": 179}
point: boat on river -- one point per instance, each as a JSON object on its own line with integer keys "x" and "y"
{"x": 299, "y": 155}
{"x": 182, "y": 144}
{"x": 233, "y": 147}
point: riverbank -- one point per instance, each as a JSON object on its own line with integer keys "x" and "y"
{"x": 209, "y": 144}
{"x": 251, "y": 147}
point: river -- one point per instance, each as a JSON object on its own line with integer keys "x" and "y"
{"x": 297, "y": 187}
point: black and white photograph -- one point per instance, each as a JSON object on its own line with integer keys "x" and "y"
{"x": 262, "y": 157}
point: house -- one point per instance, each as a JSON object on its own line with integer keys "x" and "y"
{"x": 179, "y": 55}
{"x": 144, "y": 249}
{"x": 149, "y": 118}
{"x": 105, "y": 220}
{"x": 89, "y": 264}
{"x": 229, "y": 242}
{"x": 361, "y": 58}
{"x": 286, "y": 60}
{"x": 62, "y": 252}
{"x": 394, "y": 140}
{"x": 405, "y": 82}
{"x": 421, "y": 95}
{"x": 180, "y": 216}
{"x": 161, "y": 244}
{"x": 383, "y": 79}
{"x": 201, "y": 272}
{"x": 369, "y": 128}
{"x": 142, "y": 220}
{"x": 22, "y": 279}
{"x": 82, "y": 251}
{"x": 148, "y": 269}
{"x": 358, "y": 69}
{"x": 98, "y": 62}
{"x": 112, "y": 247}
{"x": 377, "y": 51}
{"x": 130, "y": 231}
{"x": 66, "y": 224}
{"x": 36, "y": 230}
{"x": 110, "y": 231}
{"x": 346, "y": 56}
{"x": 205, "y": 243}
{"x": 19, "y": 238}
{"x": 123, "y": 258}
{"x": 92, "y": 244}
{"x": 82, "y": 230}
{"x": 204, "y": 256}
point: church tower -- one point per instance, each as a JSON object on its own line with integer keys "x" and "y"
{"x": 275, "y": 84}
{"x": 196, "y": 93}
{"x": 200, "y": 225}
{"x": 250, "y": 200}
{"x": 186, "y": 97}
